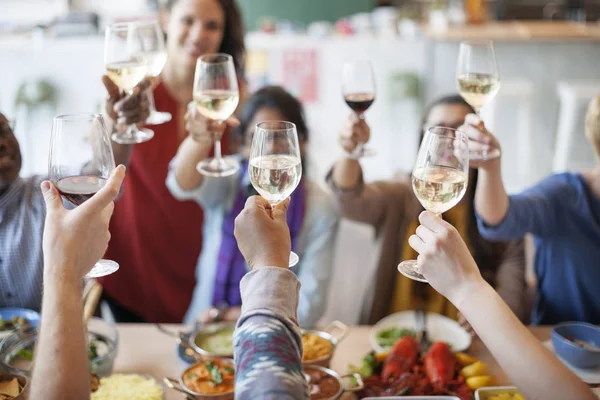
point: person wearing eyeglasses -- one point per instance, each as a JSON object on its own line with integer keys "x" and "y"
{"x": 391, "y": 207}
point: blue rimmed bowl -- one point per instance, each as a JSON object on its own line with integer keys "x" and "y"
{"x": 563, "y": 339}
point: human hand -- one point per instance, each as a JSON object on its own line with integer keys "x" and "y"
{"x": 205, "y": 130}
{"x": 74, "y": 240}
{"x": 262, "y": 233}
{"x": 127, "y": 109}
{"x": 479, "y": 139}
{"x": 444, "y": 258}
{"x": 354, "y": 131}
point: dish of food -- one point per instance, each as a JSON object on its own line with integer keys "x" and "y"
{"x": 315, "y": 347}
{"x": 321, "y": 385}
{"x": 406, "y": 369}
{"x": 499, "y": 393}
{"x": 219, "y": 342}
{"x": 13, "y": 323}
{"x": 401, "y": 324}
{"x": 387, "y": 337}
{"x": 211, "y": 377}
{"x": 591, "y": 376}
{"x": 10, "y": 388}
{"x": 128, "y": 387}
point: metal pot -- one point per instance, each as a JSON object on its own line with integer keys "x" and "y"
{"x": 329, "y": 334}
{"x": 359, "y": 383}
{"x": 191, "y": 395}
{"x": 188, "y": 340}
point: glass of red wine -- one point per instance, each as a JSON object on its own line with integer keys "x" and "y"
{"x": 358, "y": 88}
{"x": 80, "y": 162}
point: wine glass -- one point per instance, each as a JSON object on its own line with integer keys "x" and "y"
{"x": 80, "y": 162}
{"x": 275, "y": 166}
{"x": 155, "y": 53}
{"x": 478, "y": 82}
{"x": 358, "y": 88}
{"x": 439, "y": 178}
{"x": 216, "y": 96}
{"x": 126, "y": 67}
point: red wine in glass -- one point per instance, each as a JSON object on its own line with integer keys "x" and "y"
{"x": 359, "y": 102}
{"x": 78, "y": 189}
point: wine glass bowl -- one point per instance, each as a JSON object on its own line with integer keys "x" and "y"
{"x": 126, "y": 65}
{"x": 80, "y": 163}
{"x": 155, "y": 53}
{"x": 275, "y": 165}
{"x": 216, "y": 96}
{"x": 439, "y": 178}
{"x": 358, "y": 89}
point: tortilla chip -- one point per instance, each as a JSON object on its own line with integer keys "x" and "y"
{"x": 11, "y": 388}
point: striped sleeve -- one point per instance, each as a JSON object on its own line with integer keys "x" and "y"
{"x": 267, "y": 339}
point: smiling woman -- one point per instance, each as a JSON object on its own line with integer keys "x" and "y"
{"x": 156, "y": 236}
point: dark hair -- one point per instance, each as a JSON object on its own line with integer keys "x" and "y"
{"x": 233, "y": 35}
{"x": 276, "y": 98}
{"x": 487, "y": 255}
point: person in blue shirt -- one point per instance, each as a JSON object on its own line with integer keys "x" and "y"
{"x": 563, "y": 214}
{"x": 312, "y": 217}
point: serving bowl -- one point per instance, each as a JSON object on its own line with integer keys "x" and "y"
{"x": 16, "y": 351}
{"x": 312, "y": 369}
{"x": 563, "y": 337}
{"x": 23, "y": 381}
{"x": 333, "y": 333}
{"x": 180, "y": 386}
{"x": 7, "y": 313}
{"x": 486, "y": 392}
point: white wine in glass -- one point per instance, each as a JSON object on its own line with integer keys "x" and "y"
{"x": 79, "y": 164}
{"x": 478, "y": 81}
{"x": 126, "y": 67}
{"x": 358, "y": 89}
{"x": 216, "y": 96}
{"x": 275, "y": 166}
{"x": 439, "y": 178}
{"x": 155, "y": 53}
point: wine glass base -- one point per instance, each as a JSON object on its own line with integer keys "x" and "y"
{"x": 484, "y": 155}
{"x": 218, "y": 167}
{"x": 410, "y": 269}
{"x": 103, "y": 268}
{"x": 293, "y": 259}
{"x": 139, "y": 136}
{"x": 158, "y": 118}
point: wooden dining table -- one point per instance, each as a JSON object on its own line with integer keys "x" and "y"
{"x": 143, "y": 349}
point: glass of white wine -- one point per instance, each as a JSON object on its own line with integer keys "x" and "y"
{"x": 216, "y": 96}
{"x": 275, "y": 166}
{"x": 478, "y": 82}
{"x": 439, "y": 178}
{"x": 126, "y": 67}
{"x": 155, "y": 53}
{"x": 358, "y": 88}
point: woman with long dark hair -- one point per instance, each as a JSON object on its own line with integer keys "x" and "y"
{"x": 310, "y": 216}
{"x": 155, "y": 238}
{"x": 392, "y": 208}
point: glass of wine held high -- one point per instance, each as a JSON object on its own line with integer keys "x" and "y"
{"x": 126, "y": 66}
{"x": 358, "y": 88}
{"x": 155, "y": 53}
{"x": 439, "y": 178}
{"x": 275, "y": 166}
{"x": 80, "y": 162}
{"x": 478, "y": 83}
{"x": 216, "y": 96}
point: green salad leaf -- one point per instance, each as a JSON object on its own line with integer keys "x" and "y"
{"x": 388, "y": 337}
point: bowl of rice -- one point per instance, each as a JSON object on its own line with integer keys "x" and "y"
{"x": 128, "y": 387}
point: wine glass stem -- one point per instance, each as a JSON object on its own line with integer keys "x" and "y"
{"x": 218, "y": 149}
{"x": 151, "y": 104}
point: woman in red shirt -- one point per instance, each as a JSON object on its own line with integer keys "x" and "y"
{"x": 155, "y": 238}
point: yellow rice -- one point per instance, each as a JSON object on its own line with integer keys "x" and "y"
{"x": 128, "y": 387}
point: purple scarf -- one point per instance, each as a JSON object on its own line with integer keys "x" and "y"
{"x": 231, "y": 266}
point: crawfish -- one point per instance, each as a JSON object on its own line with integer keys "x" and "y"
{"x": 440, "y": 366}
{"x": 402, "y": 359}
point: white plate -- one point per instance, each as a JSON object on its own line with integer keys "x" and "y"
{"x": 589, "y": 376}
{"x": 439, "y": 328}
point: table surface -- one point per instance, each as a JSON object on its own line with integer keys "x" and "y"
{"x": 144, "y": 349}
